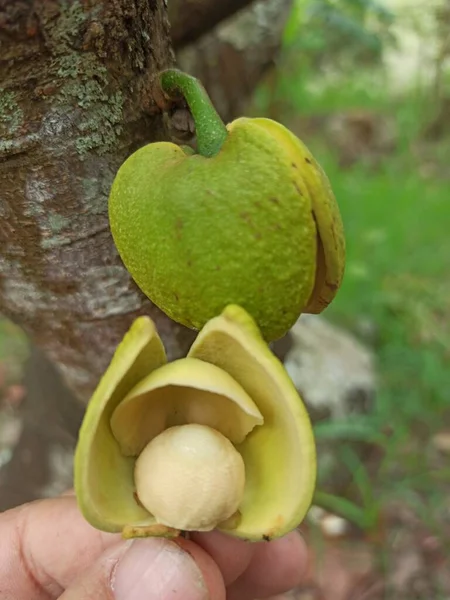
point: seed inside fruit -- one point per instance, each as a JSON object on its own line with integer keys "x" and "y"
{"x": 190, "y": 477}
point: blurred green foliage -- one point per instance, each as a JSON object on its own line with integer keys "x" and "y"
{"x": 396, "y": 211}
{"x": 331, "y": 33}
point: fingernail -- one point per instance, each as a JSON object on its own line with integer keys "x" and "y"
{"x": 157, "y": 569}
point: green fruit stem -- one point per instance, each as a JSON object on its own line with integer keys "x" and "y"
{"x": 210, "y": 129}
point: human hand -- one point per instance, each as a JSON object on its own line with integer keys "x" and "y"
{"x": 47, "y": 551}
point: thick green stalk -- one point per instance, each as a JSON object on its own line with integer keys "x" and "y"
{"x": 210, "y": 129}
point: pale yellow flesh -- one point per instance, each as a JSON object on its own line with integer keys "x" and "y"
{"x": 279, "y": 457}
{"x": 104, "y": 478}
{"x": 182, "y": 392}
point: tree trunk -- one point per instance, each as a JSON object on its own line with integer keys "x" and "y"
{"x": 75, "y": 101}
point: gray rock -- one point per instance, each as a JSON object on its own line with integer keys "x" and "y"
{"x": 335, "y": 375}
{"x": 334, "y": 372}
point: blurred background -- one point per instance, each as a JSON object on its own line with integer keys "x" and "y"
{"x": 366, "y": 84}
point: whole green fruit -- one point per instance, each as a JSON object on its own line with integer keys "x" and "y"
{"x": 252, "y": 223}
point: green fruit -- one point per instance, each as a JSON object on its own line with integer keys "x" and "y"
{"x": 251, "y": 221}
{"x": 231, "y": 400}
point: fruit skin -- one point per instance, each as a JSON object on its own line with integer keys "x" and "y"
{"x": 200, "y": 233}
{"x": 330, "y": 230}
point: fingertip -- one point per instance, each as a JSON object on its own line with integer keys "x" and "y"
{"x": 276, "y": 567}
{"x": 209, "y": 569}
{"x": 291, "y": 554}
{"x": 230, "y": 554}
{"x": 150, "y": 568}
{"x": 52, "y": 565}
{"x": 160, "y": 569}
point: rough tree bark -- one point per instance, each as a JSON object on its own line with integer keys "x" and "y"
{"x": 75, "y": 101}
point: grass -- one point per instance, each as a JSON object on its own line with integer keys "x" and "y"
{"x": 397, "y": 276}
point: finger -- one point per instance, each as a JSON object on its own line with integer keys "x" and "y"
{"x": 44, "y": 546}
{"x": 154, "y": 569}
{"x": 276, "y": 567}
{"x": 231, "y": 555}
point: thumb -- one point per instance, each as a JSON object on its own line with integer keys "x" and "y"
{"x": 150, "y": 569}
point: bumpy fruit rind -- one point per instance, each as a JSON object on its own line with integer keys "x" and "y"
{"x": 256, "y": 225}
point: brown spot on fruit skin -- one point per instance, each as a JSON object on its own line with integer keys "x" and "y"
{"x": 275, "y": 201}
{"x": 278, "y": 524}
{"x": 298, "y": 188}
{"x": 179, "y": 228}
{"x": 308, "y": 160}
{"x": 331, "y": 286}
{"x": 294, "y": 165}
{"x": 247, "y": 217}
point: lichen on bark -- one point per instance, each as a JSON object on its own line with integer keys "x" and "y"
{"x": 11, "y": 115}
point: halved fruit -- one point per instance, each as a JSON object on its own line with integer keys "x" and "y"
{"x": 230, "y": 381}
